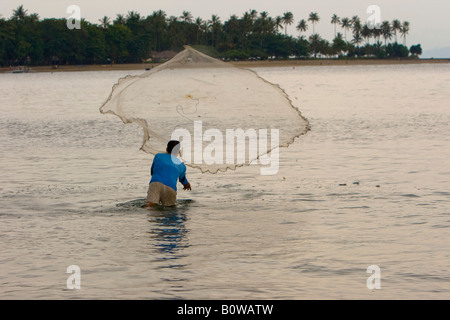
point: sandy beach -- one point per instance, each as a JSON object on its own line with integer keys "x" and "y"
{"x": 244, "y": 64}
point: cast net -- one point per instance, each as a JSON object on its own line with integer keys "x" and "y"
{"x": 224, "y": 116}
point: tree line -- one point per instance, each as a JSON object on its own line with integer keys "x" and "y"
{"x": 25, "y": 39}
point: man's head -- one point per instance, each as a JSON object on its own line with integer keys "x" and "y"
{"x": 173, "y": 147}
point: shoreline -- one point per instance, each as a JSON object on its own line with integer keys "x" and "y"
{"x": 243, "y": 64}
{"x": 333, "y": 62}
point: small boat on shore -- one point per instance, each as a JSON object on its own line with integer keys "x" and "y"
{"x": 20, "y": 69}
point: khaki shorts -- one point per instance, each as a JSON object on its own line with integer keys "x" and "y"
{"x": 160, "y": 193}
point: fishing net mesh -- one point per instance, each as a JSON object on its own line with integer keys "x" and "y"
{"x": 206, "y": 100}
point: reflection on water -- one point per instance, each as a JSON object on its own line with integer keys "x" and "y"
{"x": 169, "y": 233}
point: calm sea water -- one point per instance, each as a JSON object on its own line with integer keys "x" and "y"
{"x": 368, "y": 185}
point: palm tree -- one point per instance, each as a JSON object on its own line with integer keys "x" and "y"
{"x": 404, "y": 31}
{"x": 288, "y": 19}
{"x": 104, "y": 22}
{"x": 357, "y": 38}
{"x": 253, "y": 14}
{"x": 248, "y": 21}
{"x": 339, "y": 36}
{"x": 262, "y": 26}
{"x": 335, "y": 20}
{"x": 318, "y": 45}
{"x": 214, "y": 20}
{"x": 346, "y": 24}
{"x": 313, "y": 17}
{"x": 339, "y": 45}
{"x": 213, "y": 25}
{"x": 159, "y": 24}
{"x": 264, "y": 15}
{"x": 356, "y": 24}
{"x": 278, "y": 23}
{"x": 20, "y": 13}
{"x": 198, "y": 23}
{"x": 186, "y": 16}
{"x": 265, "y": 22}
{"x": 204, "y": 29}
{"x": 232, "y": 29}
{"x": 356, "y": 21}
{"x": 172, "y": 20}
{"x": 246, "y": 24}
{"x": 34, "y": 17}
{"x": 386, "y": 31}
{"x": 366, "y": 33}
{"x": 302, "y": 26}
{"x": 270, "y": 25}
{"x": 120, "y": 19}
{"x": 133, "y": 17}
{"x": 396, "y": 26}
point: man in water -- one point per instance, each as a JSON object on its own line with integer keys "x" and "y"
{"x": 166, "y": 170}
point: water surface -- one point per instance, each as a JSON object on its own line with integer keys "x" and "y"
{"x": 368, "y": 185}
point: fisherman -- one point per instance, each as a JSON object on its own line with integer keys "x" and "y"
{"x": 166, "y": 169}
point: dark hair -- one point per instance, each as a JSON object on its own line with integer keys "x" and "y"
{"x": 171, "y": 145}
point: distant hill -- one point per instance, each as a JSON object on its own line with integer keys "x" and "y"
{"x": 436, "y": 53}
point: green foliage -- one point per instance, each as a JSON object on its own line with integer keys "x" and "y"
{"x": 132, "y": 38}
{"x": 210, "y": 51}
{"x": 397, "y": 51}
{"x": 117, "y": 37}
{"x": 339, "y": 46}
{"x": 416, "y": 50}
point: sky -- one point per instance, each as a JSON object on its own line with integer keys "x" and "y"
{"x": 429, "y": 24}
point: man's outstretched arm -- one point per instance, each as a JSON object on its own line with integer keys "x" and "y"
{"x": 184, "y": 181}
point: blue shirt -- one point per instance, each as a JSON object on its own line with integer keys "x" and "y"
{"x": 167, "y": 169}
